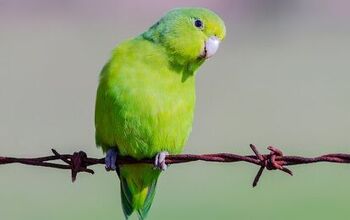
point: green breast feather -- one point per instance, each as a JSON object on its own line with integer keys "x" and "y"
{"x": 143, "y": 105}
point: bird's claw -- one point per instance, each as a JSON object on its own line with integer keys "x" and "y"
{"x": 159, "y": 161}
{"x": 111, "y": 159}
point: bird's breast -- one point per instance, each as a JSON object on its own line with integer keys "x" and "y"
{"x": 158, "y": 118}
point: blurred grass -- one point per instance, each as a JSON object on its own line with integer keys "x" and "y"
{"x": 197, "y": 191}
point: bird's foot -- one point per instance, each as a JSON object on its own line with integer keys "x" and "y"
{"x": 159, "y": 161}
{"x": 111, "y": 159}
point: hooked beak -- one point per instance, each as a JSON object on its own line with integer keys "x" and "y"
{"x": 210, "y": 47}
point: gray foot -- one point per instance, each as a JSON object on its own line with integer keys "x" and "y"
{"x": 159, "y": 161}
{"x": 111, "y": 159}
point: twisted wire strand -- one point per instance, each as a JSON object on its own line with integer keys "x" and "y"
{"x": 79, "y": 161}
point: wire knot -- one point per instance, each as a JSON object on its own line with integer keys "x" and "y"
{"x": 269, "y": 161}
{"x": 76, "y": 161}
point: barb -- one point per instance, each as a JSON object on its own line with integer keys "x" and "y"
{"x": 275, "y": 160}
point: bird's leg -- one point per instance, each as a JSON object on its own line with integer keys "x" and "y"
{"x": 111, "y": 159}
{"x": 159, "y": 161}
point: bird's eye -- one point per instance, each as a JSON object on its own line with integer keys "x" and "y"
{"x": 198, "y": 23}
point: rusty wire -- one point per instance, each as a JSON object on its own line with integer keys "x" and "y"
{"x": 275, "y": 160}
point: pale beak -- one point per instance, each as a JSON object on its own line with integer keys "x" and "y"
{"x": 210, "y": 47}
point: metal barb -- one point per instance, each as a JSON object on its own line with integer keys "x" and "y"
{"x": 269, "y": 162}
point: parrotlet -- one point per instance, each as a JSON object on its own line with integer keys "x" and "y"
{"x": 146, "y": 97}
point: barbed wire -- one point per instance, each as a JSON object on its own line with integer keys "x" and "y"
{"x": 275, "y": 160}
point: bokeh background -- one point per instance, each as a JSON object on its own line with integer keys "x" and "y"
{"x": 280, "y": 78}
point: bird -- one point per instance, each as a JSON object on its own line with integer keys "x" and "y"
{"x": 145, "y": 98}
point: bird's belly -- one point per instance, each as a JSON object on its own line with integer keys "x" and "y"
{"x": 161, "y": 125}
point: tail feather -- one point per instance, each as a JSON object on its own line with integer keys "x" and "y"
{"x": 142, "y": 213}
{"x": 125, "y": 197}
{"x": 138, "y": 187}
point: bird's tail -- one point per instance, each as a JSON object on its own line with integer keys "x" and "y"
{"x": 137, "y": 188}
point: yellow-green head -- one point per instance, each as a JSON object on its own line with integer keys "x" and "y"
{"x": 188, "y": 34}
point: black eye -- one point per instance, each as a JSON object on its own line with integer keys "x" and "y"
{"x": 198, "y": 23}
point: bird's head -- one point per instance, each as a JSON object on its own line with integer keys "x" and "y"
{"x": 189, "y": 34}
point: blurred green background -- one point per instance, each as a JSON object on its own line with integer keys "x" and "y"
{"x": 281, "y": 77}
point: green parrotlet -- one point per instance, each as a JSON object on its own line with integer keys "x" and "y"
{"x": 146, "y": 98}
